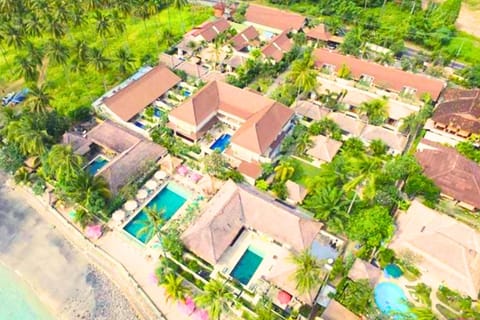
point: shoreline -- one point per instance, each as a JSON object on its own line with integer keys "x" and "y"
{"x": 63, "y": 276}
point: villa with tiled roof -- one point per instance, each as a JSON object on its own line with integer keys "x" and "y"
{"x": 272, "y": 19}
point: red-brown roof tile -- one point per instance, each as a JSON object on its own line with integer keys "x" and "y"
{"x": 460, "y": 108}
{"x": 279, "y": 45}
{"x": 319, "y": 33}
{"x": 242, "y": 39}
{"x": 210, "y": 30}
{"x": 454, "y": 174}
{"x": 383, "y": 76}
{"x": 140, "y": 93}
{"x": 274, "y": 18}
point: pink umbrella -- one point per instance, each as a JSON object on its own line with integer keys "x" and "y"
{"x": 200, "y": 314}
{"x": 187, "y": 307}
{"x": 284, "y": 297}
{"x": 93, "y": 232}
{"x": 152, "y": 278}
{"x": 182, "y": 170}
{"x": 195, "y": 177}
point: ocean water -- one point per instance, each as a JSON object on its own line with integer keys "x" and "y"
{"x": 18, "y": 301}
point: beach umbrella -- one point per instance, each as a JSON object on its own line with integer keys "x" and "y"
{"x": 200, "y": 314}
{"x": 118, "y": 215}
{"x": 160, "y": 175}
{"x": 151, "y": 184}
{"x": 130, "y": 205}
{"x": 284, "y": 297}
{"x": 187, "y": 306}
{"x": 142, "y": 194}
{"x": 152, "y": 278}
{"x": 94, "y": 231}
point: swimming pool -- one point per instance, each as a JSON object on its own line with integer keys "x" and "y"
{"x": 390, "y": 299}
{"x": 393, "y": 271}
{"x": 247, "y": 265}
{"x": 170, "y": 199}
{"x": 97, "y": 164}
{"x": 221, "y": 143}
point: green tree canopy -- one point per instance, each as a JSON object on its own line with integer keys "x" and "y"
{"x": 371, "y": 226}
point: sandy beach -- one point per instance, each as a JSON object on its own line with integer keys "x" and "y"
{"x": 62, "y": 276}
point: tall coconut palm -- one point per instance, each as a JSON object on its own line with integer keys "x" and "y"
{"x": 55, "y": 26}
{"x": 102, "y": 26}
{"x": 99, "y": 62}
{"x": 326, "y": 201}
{"x": 39, "y": 99}
{"x": 78, "y": 18}
{"x": 26, "y": 68}
{"x": 153, "y": 225}
{"x": 57, "y": 52}
{"x": 303, "y": 74}
{"x": 308, "y": 271}
{"x": 63, "y": 163}
{"x": 35, "y": 53}
{"x": 303, "y": 143}
{"x": 376, "y": 111}
{"x": 125, "y": 61}
{"x": 14, "y": 36}
{"x": 86, "y": 190}
{"x": 174, "y": 288}
{"x": 215, "y": 298}
{"x": 33, "y": 25}
{"x": 284, "y": 171}
{"x": 363, "y": 169}
{"x": 30, "y": 141}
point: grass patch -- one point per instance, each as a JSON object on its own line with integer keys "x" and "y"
{"x": 145, "y": 39}
{"x": 303, "y": 171}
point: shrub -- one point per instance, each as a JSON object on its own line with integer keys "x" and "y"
{"x": 386, "y": 256}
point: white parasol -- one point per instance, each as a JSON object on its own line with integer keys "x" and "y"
{"x": 142, "y": 194}
{"x": 151, "y": 184}
{"x": 160, "y": 175}
{"x": 130, "y": 205}
{"x": 118, "y": 215}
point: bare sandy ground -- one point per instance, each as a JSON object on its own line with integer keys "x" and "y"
{"x": 60, "y": 274}
{"x": 469, "y": 19}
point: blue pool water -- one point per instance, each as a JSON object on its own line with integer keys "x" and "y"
{"x": 157, "y": 112}
{"x": 247, "y": 265}
{"x": 393, "y": 271}
{"x": 390, "y": 299}
{"x": 221, "y": 143}
{"x": 170, "y": 199}
{"x": 96, "y": 165}
{"x": 187, "y": 93}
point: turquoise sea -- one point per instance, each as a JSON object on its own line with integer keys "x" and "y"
{"x": 17, "y": 300}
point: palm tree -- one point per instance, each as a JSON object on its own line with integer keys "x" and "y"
{"x": 30, "y": 141}
{"x": 216, "y": 298}
{"x": 385, "y": 58}
{"x": 33, "y": 25}
{"x": 63, "y": 163}
{"x": 363, "y": 169}
{"x": 174, "y": 288}
{"x": 99, "y": 62}
{"x": 303, "y": 143}
{"x": 284, "y": 171}
{"x": 78, "y": 17}
{"x": 422, "y": 313}
{"x": 117, "y": 23}
{"x": 125, "y": 61}
{"x": 26, "y": 68}
{"x": 35, "y": 53}
{"x": 55, "y": 26}
{"x": 39, "y": 99}
{"x": 303, "y": 74}
{"x": 308, "y": 271}
{"x": 153, "y": 224}
{"x": 57, "y": 52}
{"x": 376, "y": 111}
{"x": 103, "y": 25}
{"x": 86, "y": 190}
{"x": 14, "y": 36}
{"x": 326, "y": 201}
{"x": 21, "y": 176}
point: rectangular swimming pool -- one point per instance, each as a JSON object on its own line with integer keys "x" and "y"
{"x": 247, "y": 265}
{"x": 169, "y": 199}
{"x": 221, "y": 143}
{"x": 97, "y": 164}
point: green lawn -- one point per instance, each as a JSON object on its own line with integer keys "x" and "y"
{"x": 303, "y": 171}
{"x": 72, "y": 90}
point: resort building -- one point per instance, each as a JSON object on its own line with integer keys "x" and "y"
{"x": 324, "y": 149}
{"x": 363, "y": 270}
{"x": 395, "y": 141}
{"x": 295, "y": 192}
{"x": 273, "y": 21}
{"x": 277, "y": 48}
{"x": 448, "y": 250}
{"x": 336, "y": 311}
{"x": 253, "y": 125}
{"x": 114, "y": 152}
{"x": 206, "y": 32}
{"x": 370, "y": 74}
{"x": 310, "y": 111}
{"x": 237, "y": 226}
{"x": 318, "y": 33}
{"x": 457, "y": 117}
{"x": 349, "y": 123}
{"x": 243, "y": 41}
{"x": 126, "y": 103}
{"x": 456, "y": 176}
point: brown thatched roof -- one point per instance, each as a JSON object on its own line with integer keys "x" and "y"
{"x": 364, "y": 270}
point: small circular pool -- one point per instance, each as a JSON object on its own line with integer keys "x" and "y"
{"x": 390, "y": 298}
{"x": 393, "y": 271}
